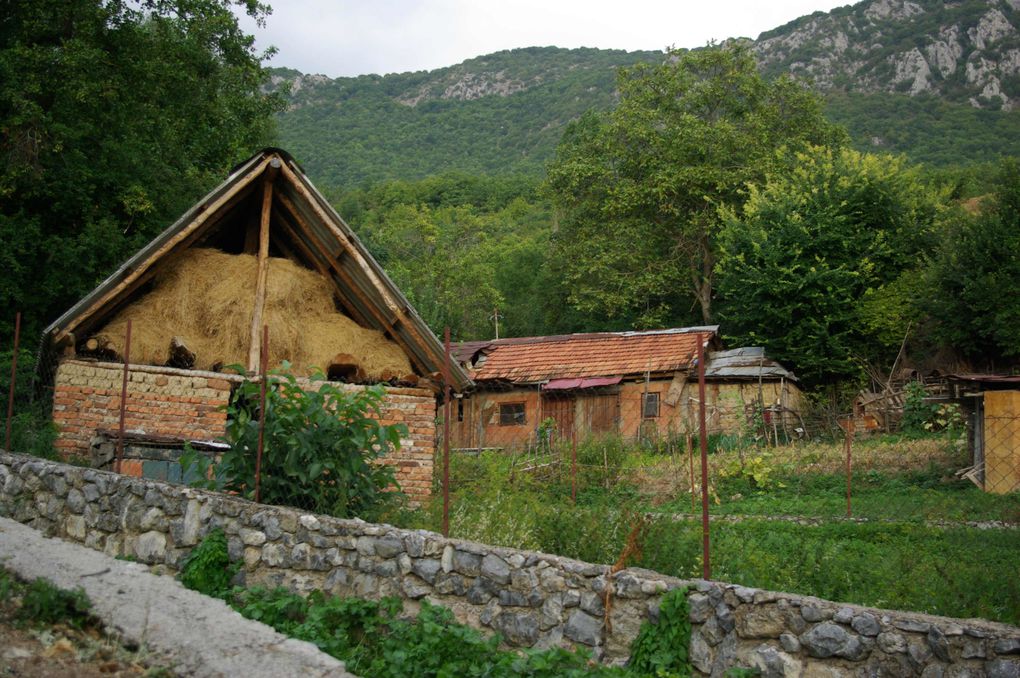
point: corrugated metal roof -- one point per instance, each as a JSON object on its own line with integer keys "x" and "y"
{"x": 748, "y": 362}
{"x": 986, "y": 378}
{"x": 603, "y": 354}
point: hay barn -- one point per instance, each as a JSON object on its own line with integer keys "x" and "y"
{"x": 263, "y": 249}
{"x": 639, "y": 385}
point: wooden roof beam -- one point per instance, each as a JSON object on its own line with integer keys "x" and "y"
{"x": 323, "y": 269}
{"x": 383, "y": 323}
{"x": 144, "y": 271}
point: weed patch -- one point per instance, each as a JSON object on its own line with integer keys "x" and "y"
{"x": 208, "y": 569}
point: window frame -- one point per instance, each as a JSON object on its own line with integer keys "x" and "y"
{"x": 646, "y": 398}
{"x": 513, "y": 418}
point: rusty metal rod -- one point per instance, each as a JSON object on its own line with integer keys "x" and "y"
{"x": 446, "y": 432}
{"x": 123, "y": 397}
{"x": 706, "y": 569}
{"x": 14, "y": 378}
{"x": 263, "y": 368}
{"x": 573, "y": 466}
{"x": 849, "y": 463}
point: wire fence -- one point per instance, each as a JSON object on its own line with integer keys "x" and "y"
{"x": 576, "y": 471}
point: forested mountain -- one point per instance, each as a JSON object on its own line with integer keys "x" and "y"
{"x": 938, "y": 81}
{"x": 500, "y": 113}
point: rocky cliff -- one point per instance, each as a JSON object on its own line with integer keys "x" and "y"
{"x": 962, "y": 51}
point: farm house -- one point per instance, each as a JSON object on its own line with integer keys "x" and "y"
{"x": 640, "y": 385}
{"x": 264, "y": 248}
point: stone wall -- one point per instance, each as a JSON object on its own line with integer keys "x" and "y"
{"x": 532, "y": 599}
{"x": 164, "y": 401}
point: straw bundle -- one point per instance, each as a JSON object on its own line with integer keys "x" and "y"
{"x": 206, "y": 298}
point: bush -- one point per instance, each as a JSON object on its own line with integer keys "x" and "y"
{"x": 321, "y": 447}
{"x": 208, "y": 569}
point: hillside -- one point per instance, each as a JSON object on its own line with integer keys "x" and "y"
{"x": 937, "y": 81}
{"x": 962, "y": 52}
{"x": 500, "y": 113}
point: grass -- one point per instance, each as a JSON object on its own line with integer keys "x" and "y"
{"x": 913, "y": 551}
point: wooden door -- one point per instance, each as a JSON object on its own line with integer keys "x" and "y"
{"x": 603, "y": 412}
{"x": 560, "y": 410}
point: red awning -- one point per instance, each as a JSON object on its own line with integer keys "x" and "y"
{"x": 591, "y": 382}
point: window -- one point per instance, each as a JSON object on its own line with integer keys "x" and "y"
{"x": 460, "y": 409}
{"x": 649, "y": 405}
{"x": 511, "y": 414}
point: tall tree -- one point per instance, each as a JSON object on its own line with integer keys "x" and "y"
{"x": 830, "y": 239}
{"x": 114, "y": 116}
{"x": 640, "y": 187}
{"x": 971, "y": 288}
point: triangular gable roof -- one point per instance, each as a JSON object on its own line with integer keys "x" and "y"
{"x": 601, "y": 354}
{"x": 315, "y": 235}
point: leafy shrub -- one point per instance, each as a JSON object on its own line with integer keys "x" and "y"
{"x": 661, "y": 649}
{"x": 375, "y": 640}
{"x": 208, "y": 569}
{"x": 600, "y": 461}
{"x": 320, "y": 447}
{"x": 921, "y": 416}
{"x": 757, "y": 469}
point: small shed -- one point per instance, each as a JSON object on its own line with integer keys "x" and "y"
{"x": 263, "y": 249}
{"x": 992, "y": 406}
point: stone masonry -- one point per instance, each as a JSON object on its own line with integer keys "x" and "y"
{"x": 188, "y": 404}
{"x": 531, "y": 599}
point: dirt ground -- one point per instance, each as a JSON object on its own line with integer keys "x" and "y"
{"x": 30, "y": 650}
{"x": 63, "y": 651}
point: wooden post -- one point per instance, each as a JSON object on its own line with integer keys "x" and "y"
{"x": 123, "y": 397}
{"x": 703, "y": 439}
{"x": 14, "y": 378}
{"x": 263, "y": 367}
{"x": 263, "y": 269}
{"x": 446, "y": 432}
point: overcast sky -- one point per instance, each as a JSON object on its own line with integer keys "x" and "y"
{"x": 354, "y": 37}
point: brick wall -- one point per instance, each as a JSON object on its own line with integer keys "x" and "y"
{"x": 183, "y": 403}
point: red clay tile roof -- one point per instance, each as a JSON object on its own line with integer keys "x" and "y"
{"x": 604, "y": 354}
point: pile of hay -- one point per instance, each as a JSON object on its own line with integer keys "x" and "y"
{"x": 206, "y": 298}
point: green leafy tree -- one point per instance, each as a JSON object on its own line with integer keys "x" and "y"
{"x": 114, "y": 117}
{"x": 460, "y": 247}
{"x": 971, "y": 298}
{"x": 828, "y": 234}
{"x": 640, "y": 187}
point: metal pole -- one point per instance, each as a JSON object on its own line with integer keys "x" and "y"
{"x": 446, "y": 432}
{"x": 690, "y": 461}
{"x": 703, "y": 439}
{"x": 123, "y": 396}
{"x": 263, "y": 368}
{"x": 849, "y": 463}
{"x": 573, "y": 466}
{"x": 14, "y": 377}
